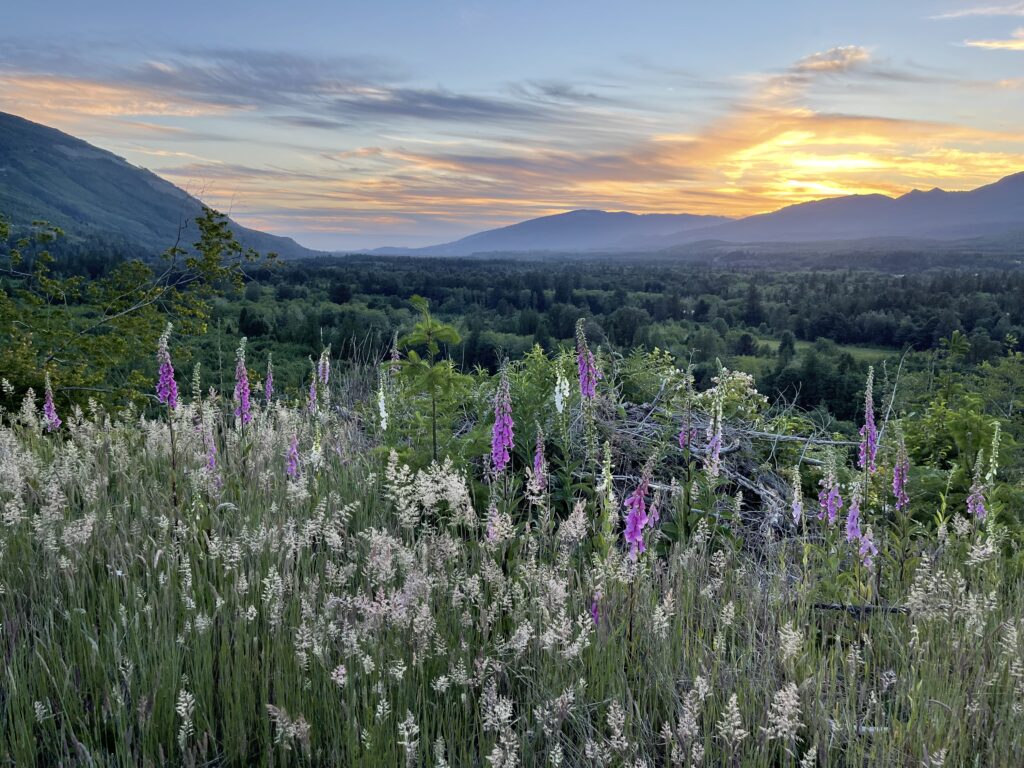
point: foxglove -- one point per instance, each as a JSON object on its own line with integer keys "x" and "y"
{"x": 311, "y": 396}
{"x": 853, "y": 519}
{"x": 268, "y": 382}
{"x": 166, "y": 386}
{"x": 588, "y": 372}
{"x": 713, "y": 457}
{"x": 382, "y": 405}
{"x": 292, "y": 463}
{"x": 243, "y": 406}
{"x": 687, "y": 437}
{"x": 540, "y": 467}
{"x": 900, "y": 472}
{"x": 829, "y": 499}
{"x": 561, "y": 392}
{"x": 636, "y": 516}
{"x": 51, "y": 420}
{"x": 323, "y": 367}
{"x": 976, "y": 496}
{"x": 868, "y": 432}
{"x": 502, "y": 433}
{"x": 868, "y": 551}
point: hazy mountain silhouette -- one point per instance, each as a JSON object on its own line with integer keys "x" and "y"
{"x": 936, "y": 215}
{"x": 47, "y": 174}
{"x": 991, "y": 211}
{"x": 582, "y": 230}
{"x": 89, "y": 192}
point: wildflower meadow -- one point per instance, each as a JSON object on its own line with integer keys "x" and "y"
{"x": 582, "y": 559}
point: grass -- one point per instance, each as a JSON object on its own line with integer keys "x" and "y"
{"x": 365, "y": 613}
{"x": 760, "y": 366}
{"x": 860, "y": 353}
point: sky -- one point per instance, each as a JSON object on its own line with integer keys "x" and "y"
{"x": 355, "y": 125}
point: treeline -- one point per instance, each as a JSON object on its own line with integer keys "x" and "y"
{"x": 807, "y": 336}
{"x": 849, "y": 307}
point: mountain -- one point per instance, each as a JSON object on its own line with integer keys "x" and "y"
{"x": 582, "y": 230}
{"x": 92, "y": 193}
{"x": 89, "y": 192}
{"x": 987, "y": 211}
{"x": 992, "y": 215}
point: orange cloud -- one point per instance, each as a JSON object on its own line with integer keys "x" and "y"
{"x": 68, "y": 102}
{"x": 765, "y": 151}
{"x": 750, "y": 162}
{"x": 1014, "y": 43}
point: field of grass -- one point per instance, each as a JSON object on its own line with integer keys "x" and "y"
{"x": 759, "y": 366}
{"x": 197, "y": 588}
{"x": 860, "y": 353}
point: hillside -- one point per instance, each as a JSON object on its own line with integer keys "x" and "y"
{"x": 582, "y": 230}
{"x": 89, "y": 192}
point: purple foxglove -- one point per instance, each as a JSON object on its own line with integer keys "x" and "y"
{"x": 292, "y": 462}
{"x": 268, "y": 382}
{"x": 853, "y": 520}
{"x": 540, "y": 466}
{"x": 899, "y": 476}
{"x": 868, "y": 433}
{"x": 166, "y": 386}
{"x": 502, "y": 434}
{"x": 51, "y": 420}
{"x": 687, "y": 437}
{"x": 588, "y": 372}
{"x": 243, "y": 406}
{"x": 323, "y": 366}
{"x": 636, "y": 516}
{"x": 867, "y": 550}
{"x": 829, "y": 499}
{"x": 311, "y": 397}
{"x": 713, "y": 457}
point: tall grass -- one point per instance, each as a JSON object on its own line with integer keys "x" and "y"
{"x": 368, "y": 613}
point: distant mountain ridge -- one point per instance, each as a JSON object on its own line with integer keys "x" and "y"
{"x": 90, "y": 192}
{"x": 580, "y": 230}
{"x": 991, "y": 211}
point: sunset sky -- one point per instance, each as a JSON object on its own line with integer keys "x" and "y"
{"x": 349, "y": 125}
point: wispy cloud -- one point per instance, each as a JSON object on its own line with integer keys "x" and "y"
{"x": 559, "y": 91}
{"x": 761, "y": 154}
{"x": 356, "y": 151}
{"x": 319, "y": 89}
{"x": 49, "y": 94}
{"x": 325, "y": 89}
{"x": 1010, "y": 9}
{"x": 1014, "y": 43}
{"x": 840, "y": 59}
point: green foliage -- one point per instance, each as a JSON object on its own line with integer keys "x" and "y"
{"x": 426, "y": 375}
{"x": 92, "y": 335}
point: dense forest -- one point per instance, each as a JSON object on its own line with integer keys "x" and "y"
{"x": 806, "y": 335}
